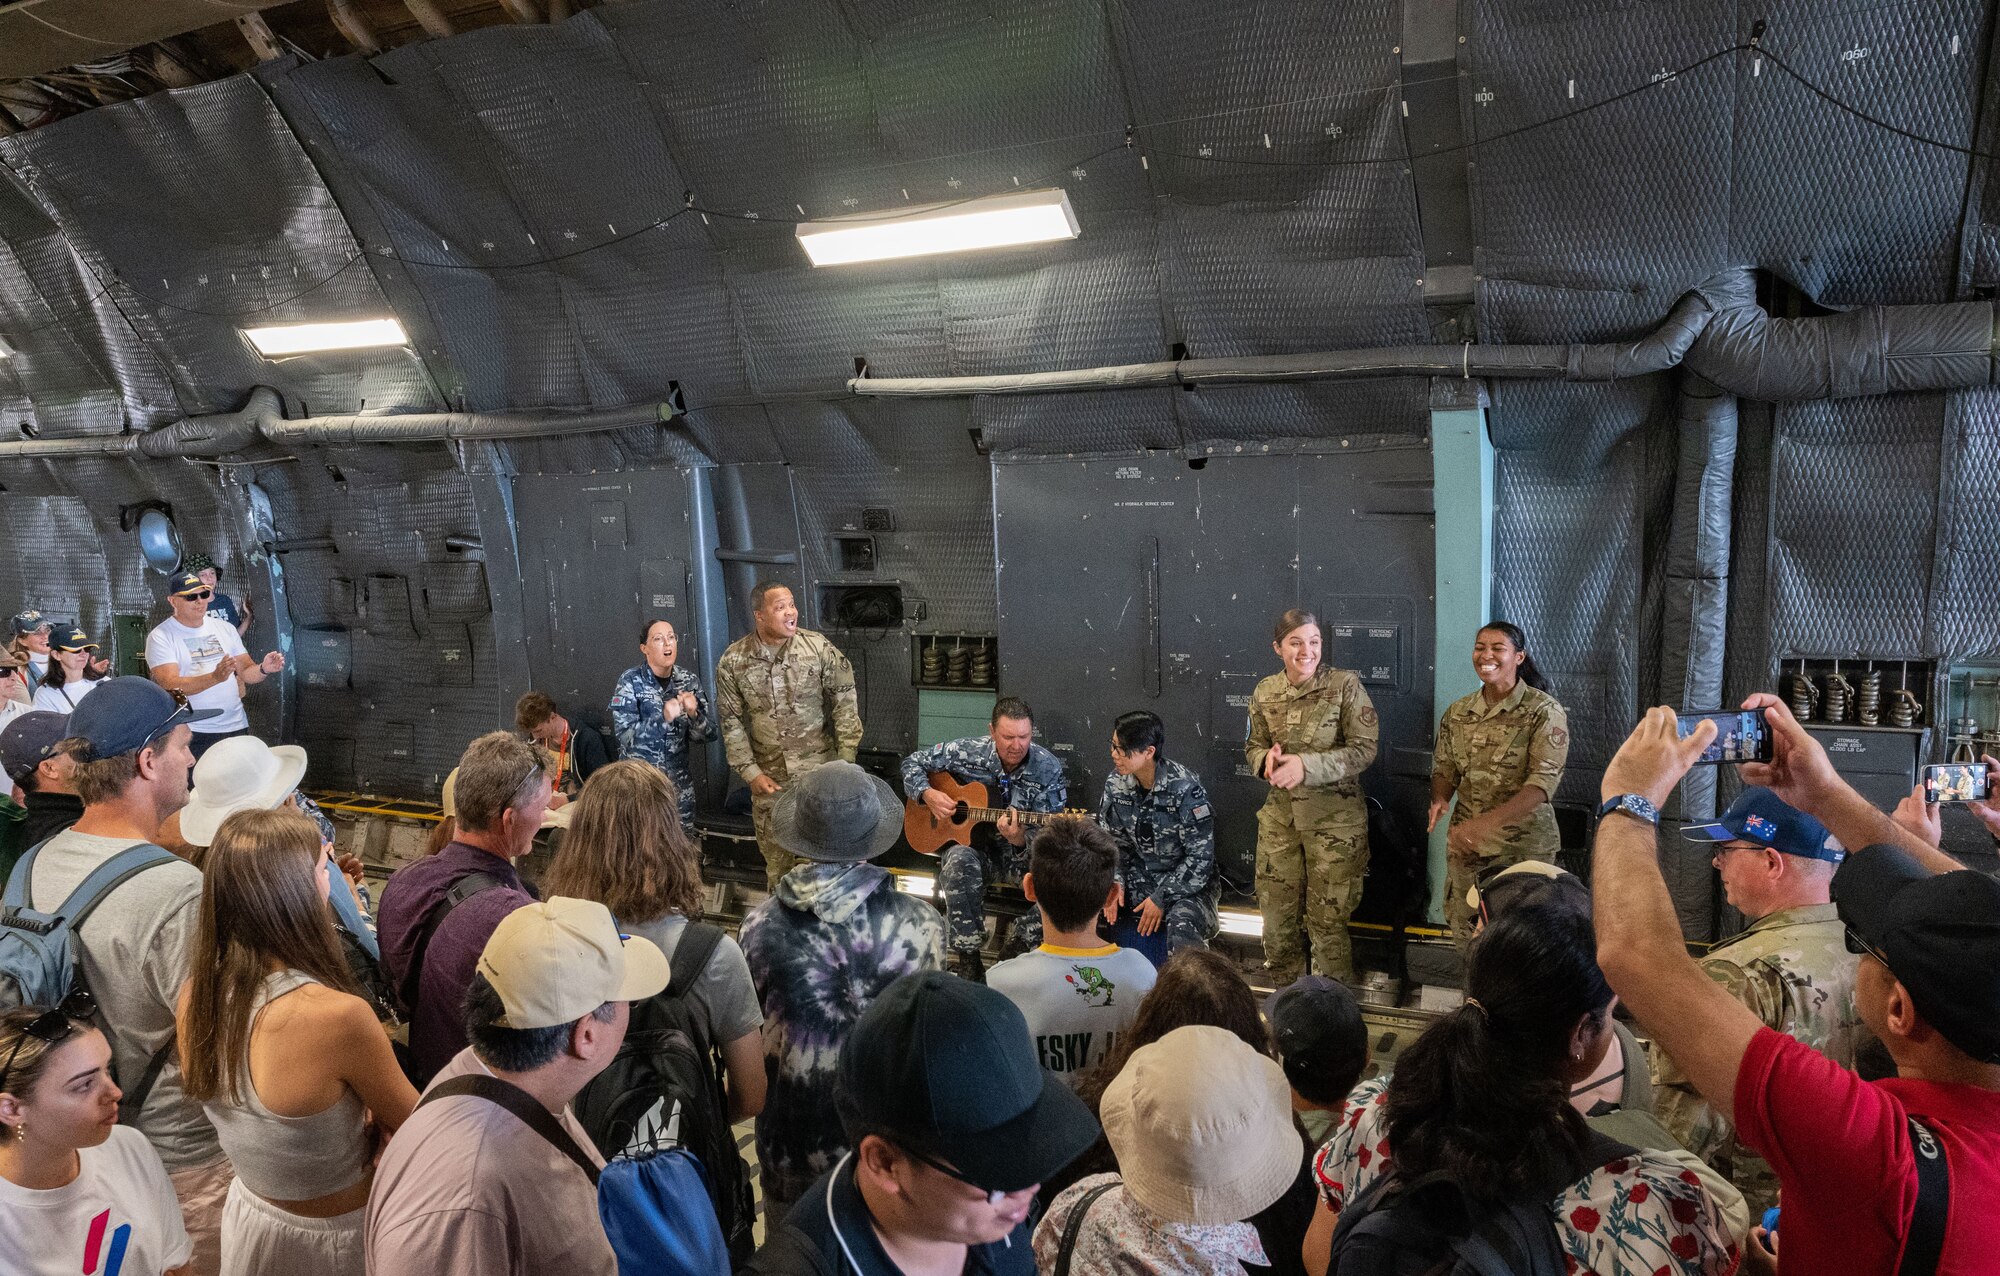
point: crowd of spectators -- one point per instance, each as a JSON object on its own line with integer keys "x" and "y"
{"x": 250, "y": 1067}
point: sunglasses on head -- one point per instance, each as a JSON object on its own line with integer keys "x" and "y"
{"x": 51, "y": 1028}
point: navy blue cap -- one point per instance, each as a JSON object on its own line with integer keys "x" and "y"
{"x": 71, "y": 638}
{"x": 1939, "y": 935}
{"x": 124, "y": 715}
{"x": 184, "y": 583}
{"x": 945, "y": 1068}
{"x": 29, "y": 740}
{"x": 1761, "y": 816}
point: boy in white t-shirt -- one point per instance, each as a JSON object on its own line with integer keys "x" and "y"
{"x": 78, "y": 1192}
{"x": 204, "y": 659}
{"x": 1077, "y": 991}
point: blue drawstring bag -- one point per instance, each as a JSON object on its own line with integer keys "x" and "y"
{"x": 657, "y": 1212}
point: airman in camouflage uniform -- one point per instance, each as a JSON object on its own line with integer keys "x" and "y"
{"x": 1487, "y": 753}
{"x": 785, "y": 697}
{"x": 651, "y": 730}
{"x": 1791, "y": 968}
{"x": 1166, "y": 837}
{"x": 1033, "y": 783}
{"x": 1312, "y": 839}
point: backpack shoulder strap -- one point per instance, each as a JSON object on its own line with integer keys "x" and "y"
{"x": 517, "y": 1101}
{"x": 1923, "y": 1248}
{"x": 109, "y": 876}
{"x": 464, "y": 888}
{"x": 24, "y": 870}
{"x": 1073, "y": 1228}
{"x": 698, "y": 943}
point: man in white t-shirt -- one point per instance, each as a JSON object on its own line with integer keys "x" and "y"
{"x": 203, "y": 658}
{"x": 1076, "y": 991}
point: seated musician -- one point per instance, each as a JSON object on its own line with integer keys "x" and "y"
{"x": 1159, "y": 812}
{"x": 1019, "y": 775}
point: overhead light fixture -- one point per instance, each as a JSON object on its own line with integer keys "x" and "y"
{"x": 995, "y": 221}
{"x": 305, "y": 338}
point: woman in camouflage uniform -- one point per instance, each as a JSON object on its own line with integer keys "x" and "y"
{"x": 1312, "y": 733}
{"x": 1501, "y": 751}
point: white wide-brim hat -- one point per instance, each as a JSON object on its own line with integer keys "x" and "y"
{"x": 241, "y": 773}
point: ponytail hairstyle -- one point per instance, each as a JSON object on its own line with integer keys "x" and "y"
{"x": 1530, "y": 672}
{"x": 1482, "y": 1095}
{"x": 1293, "y": 619}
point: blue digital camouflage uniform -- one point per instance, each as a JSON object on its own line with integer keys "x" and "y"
{"x": 1166, "y": 850}
{"x": 639, "y": 714}
{"x": 1038, "y": 784}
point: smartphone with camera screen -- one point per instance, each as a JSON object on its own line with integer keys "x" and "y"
{"x": 1957, "y": 782}
{"x": 1741, "y": 735}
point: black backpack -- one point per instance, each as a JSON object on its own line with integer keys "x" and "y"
{"x": 664, "y": 1088}
{"x": 1427, "y": 1227}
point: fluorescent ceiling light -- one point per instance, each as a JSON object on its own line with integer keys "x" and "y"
{"x": 997, "y": 221}
{"x": 301, "y": 338}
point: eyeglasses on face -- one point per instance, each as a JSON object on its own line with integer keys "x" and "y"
{"x": 1861, "y": 947}
{"x": 993, "y": 1195}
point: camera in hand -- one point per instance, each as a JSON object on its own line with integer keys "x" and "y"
{"x": 1957, "y": 782}
{"x": 1741, "y": 735}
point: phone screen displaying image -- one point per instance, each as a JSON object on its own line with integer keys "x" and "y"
{"x": 1741, "y": 735}
{"x": 1956, "y": 782}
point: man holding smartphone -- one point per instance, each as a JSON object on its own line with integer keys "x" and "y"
{"x": 1791, "y": 968}
{"x": 1859, "y": 1161}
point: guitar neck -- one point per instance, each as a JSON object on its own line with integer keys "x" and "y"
{"x": 990, "y": 814}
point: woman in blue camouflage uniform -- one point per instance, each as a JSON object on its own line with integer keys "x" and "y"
{"x": 659, "y": 711}
{"x": 1500, "y": 752}
{"x": 1160, "y": 814}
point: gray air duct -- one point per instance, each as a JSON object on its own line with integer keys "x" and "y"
{"x": 1717, "y": 331}
{"x": 263, "y": 417}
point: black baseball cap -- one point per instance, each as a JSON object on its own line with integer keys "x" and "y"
{"x": 1939, "y": 935}
{"x": 184, "y": 583}
{"x": 29, "y": 740}
{"x": 945, "y": 1068}
{"x": 1317, "y": 1029}
{"x": 124, "y": 715}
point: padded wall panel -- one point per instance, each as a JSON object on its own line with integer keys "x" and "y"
{"x": 138, "y": 187}
{"x": 1967, "y": 619}
{"x": 1571, "y": 487}
{"x": 1853, "y": 503}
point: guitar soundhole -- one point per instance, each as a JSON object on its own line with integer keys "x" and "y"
{"x": 958, "y": 814}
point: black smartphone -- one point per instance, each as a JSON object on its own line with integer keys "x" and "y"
{"x": 1741, "y": 735}
{"x": 1956, "y": 782}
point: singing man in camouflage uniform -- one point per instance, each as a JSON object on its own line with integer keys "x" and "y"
{"x": 785, "y": 697}
{"x": 1313, "y": 732}
{"x": 1019, "y": 775}
{"x": 659, "y": 710}
{"x": 1160, "y": 814}
{"x": 1791, "y": 968}
{"x": 1501, "y": 750}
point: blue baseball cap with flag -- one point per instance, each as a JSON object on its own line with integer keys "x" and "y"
{"x": 1761, "y": 816}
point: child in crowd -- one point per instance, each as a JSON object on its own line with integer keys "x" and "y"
{"x": 1322, "y": 1045}
{"x": 1077, "y": 991}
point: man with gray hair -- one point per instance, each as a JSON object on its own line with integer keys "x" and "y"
{"x": 438, "y": 912}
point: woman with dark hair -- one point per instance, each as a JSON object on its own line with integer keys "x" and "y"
{"x": 627, "y": 849}
{"x": 1160, "y": 814}
{"x": 78, "y": 1191}
{"x": 74, "y": 672}
{"x": 1500, "y": 751}
{"x": 1313, "y": 732}
{"x": 286, "y": 1059}
{"x": 1482, "y": 1100}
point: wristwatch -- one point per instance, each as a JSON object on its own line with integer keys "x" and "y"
{"x": 1633, "y": 805}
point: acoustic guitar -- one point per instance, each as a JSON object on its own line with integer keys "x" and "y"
{"x": 929, "y": 834}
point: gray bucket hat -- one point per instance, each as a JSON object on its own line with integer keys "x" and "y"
{"x": 837, "y": 814}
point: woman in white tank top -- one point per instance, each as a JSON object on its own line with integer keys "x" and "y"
{"x": 288, "y": 1062}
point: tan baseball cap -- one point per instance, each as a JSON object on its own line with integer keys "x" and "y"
{"x": 556, "y": 961}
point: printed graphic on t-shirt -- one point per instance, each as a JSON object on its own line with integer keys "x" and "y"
{"x": 1092, "y": 986}
{"x": 202, "y": 656}
{"x": 94, "y": 1246}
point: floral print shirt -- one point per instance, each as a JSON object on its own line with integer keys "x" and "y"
{"x": 1644, "y": 1216}
{"x": 1121, "y": 1237}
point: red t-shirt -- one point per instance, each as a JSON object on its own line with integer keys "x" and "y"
{"x": 1841, "y": 1149}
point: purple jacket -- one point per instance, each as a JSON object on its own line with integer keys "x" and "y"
{"x": 413, "y": 892}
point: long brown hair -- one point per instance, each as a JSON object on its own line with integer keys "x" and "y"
{"x": 626, "y": 849}
{"x": 259, "y": 905}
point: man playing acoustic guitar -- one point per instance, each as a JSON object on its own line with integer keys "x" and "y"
{"x": 1020, "y": 776}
